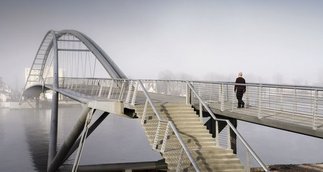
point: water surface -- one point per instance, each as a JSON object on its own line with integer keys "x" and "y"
{"x": 24, "y": 141}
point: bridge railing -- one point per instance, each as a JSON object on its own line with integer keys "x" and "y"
{"x": 170, "y": 127}
{"x": 126, "y": 91}
{"x": 300, "y": 105}
{"x": 223, "y": 137}
{"x": 93, "y": 88}
{"x": 295, "y": 104}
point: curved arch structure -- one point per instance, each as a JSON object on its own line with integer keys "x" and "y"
{"x": 36, "y": 71}
{"x": 113, "y": 70}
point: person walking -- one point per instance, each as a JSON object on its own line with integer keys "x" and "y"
{"x": 240, "y": 89}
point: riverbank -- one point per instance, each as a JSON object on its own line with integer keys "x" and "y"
{"x": 293, "y": 168}
{"x": 31, "y": 105}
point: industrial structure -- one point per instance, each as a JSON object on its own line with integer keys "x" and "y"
{"x": 191, "y": 123}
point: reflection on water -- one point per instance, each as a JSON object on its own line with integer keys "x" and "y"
{"x": 16, "y": 146}
{"x": 24, "y": 141}
{"x": 36, "y": 129}
{"x": 275, "y": 146}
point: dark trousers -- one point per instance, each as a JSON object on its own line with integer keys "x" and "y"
{"x": 240, "y": 101}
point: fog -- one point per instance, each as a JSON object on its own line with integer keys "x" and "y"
{"x": 269, "y": 41}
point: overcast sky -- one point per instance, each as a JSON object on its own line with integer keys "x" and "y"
{"x": 269, "y": 41}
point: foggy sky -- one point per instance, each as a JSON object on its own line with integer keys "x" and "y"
{"x": 269, "y": 41}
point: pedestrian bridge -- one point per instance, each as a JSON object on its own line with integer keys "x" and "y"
{"x": 174, "y": 113}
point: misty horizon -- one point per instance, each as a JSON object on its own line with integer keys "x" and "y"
{"x": 270, "y": 42}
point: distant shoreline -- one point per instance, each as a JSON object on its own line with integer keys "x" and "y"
{"x": 293, "y": 167}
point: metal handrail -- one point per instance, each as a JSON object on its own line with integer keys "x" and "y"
{"x": 286, "y": 86}
{"x": 299, "y": 100}
{"x": 231, "y": 126}
{"x": 172, "y": 126}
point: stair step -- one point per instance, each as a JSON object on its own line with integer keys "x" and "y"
{"x": 196, "y": 137}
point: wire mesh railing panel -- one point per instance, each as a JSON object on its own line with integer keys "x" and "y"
{"x": 274, "y": 101}
{"x": 165, "y": 87}
{"x": 177, "y": 159}
{"x": 248, "y": 162}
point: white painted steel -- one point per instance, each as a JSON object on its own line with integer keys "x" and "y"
{"x": 245, "y": 144}
{"x": 262, "y": 100}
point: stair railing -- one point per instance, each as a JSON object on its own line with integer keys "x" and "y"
{"x": 171, "y": 125}
{"x": 217, "y": 120}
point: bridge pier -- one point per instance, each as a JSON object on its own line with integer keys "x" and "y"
{"x": 52, "y": 147}
{"x": 72, "y": 141}
{"x": 233, "y": 136}
{"x": 55, "y": 161}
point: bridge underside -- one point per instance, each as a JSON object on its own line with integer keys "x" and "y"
{"x": 135, "y": 166}
{"x": 34, "y": 91}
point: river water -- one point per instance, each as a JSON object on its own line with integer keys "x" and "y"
{"x": 24, "y": 141}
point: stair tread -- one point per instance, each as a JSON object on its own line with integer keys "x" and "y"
{"x": 197, "y": 138}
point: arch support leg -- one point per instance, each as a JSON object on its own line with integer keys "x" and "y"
{"x": 52, "y": 147}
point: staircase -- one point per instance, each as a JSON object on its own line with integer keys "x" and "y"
{"x": 208, "y": 156}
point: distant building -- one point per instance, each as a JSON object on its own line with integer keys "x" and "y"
{"x": 49, "y": 73}
{"x": 5, "y": 91}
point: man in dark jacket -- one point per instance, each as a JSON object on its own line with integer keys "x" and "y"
{"x": 240, "y": 89}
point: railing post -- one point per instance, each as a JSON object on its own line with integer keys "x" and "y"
{"x": 217, "y": 134}
{"x": 276, "y": 102}
{"x": 129, "y": 92}
{"x": 134, "y": 96}
{"x": 227, "y": 93}
{"x": 163, "y": 147}
{"x": 315, "y": 106}
{"x": 110, "y": 89}
{"x": 269, "y": 99}
{"x": 156, "y": 136}
{"x": 201, "y": 111}
{"x": 93, "y": 84}
{"x": 179, "y": 164}
{"x": 233, "y": 100}
{"x": 100, "y": 91}
{"x": 295, "y": 100}
{"x": 222, "y": 97}
{"x": 259, "y": 101}
{"x": 247, "y": 97}
{"x": 144, "y": 113}
{"x": 188, "y": 95}
{"x": 228, "y": 138}
{"x": 122, "y": 90}
{"x": 219, "y": 96}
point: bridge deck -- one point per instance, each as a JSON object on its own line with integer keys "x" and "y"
{"x": 280, "y": 120}
{"x": 277, "y": 119}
